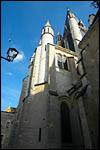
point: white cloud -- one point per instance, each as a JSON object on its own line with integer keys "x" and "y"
{"x": 19, "y": 57}
{"x": 9, "y": 73}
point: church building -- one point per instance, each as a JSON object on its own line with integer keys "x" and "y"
{"x": 58, "y": 106}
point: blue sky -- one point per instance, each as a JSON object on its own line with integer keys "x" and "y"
{"x": 22, "y": 21}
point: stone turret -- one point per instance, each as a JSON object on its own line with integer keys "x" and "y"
{"x": 47, "y": 36}
{"x": 59, "y": 39}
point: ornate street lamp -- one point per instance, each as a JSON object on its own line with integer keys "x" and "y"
{"x": 11, "y": 54}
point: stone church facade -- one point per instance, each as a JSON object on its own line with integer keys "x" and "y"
{"x": 58, "y": 106}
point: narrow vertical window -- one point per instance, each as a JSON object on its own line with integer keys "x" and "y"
{"x": 39, "y": 134}
{"x": 66, "y": 136}
{"x": 59, "y": 61}
{"x": 48, "y": 29}
{"x": 8, "y": 123}
{"x": 65, "y": 63}
{"x": 1, "y": 138}
{"x": 45, "y": 47}
{"x": 70, "y": 42}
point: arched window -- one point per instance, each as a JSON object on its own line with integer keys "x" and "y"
{"x": 70, "y": 42}
{"x": 66, "y": 136}
{"x": 62, "y": 62}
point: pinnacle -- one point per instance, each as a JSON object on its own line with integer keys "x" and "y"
{"x": 58, "y": 33}
{"x": 68, "y": 9}
{"x": 47, "y": 24}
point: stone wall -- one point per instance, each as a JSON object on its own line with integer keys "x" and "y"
{"x": 90, "y": 55}
{"x": 6, "y": 124}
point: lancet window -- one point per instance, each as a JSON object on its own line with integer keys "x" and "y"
{"x": 62, "y": 62}
{"x": 66, "y": 136}
{"x": 59, "y": 61}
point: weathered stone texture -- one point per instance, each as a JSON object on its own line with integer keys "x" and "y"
{"x": 91, "y": 99}
{"x": 37, "y": 121}
{"x": 6, "y": 124}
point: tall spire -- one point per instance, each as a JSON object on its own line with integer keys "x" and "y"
{"x": 47, "y": 24}
{"x": 70, "y": 14}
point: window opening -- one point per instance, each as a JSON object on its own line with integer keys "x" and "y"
{"x": 66, "y": 136}
{"x": 65, "y": 63}
{"x": 48, "y": 29}
{"x": 45, "y": 47}
{"x": 62, "y": 62}
{"x": 59, "y": 61}
{"x": 39, "y": 134}
{"x": 8, "y": 124}
{"x": 71, "y": 43}
{"x": 1, "y": 138}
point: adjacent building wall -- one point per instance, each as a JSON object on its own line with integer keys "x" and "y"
{"x": 90, "y": 54}
{"x": 6, "y": 124}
